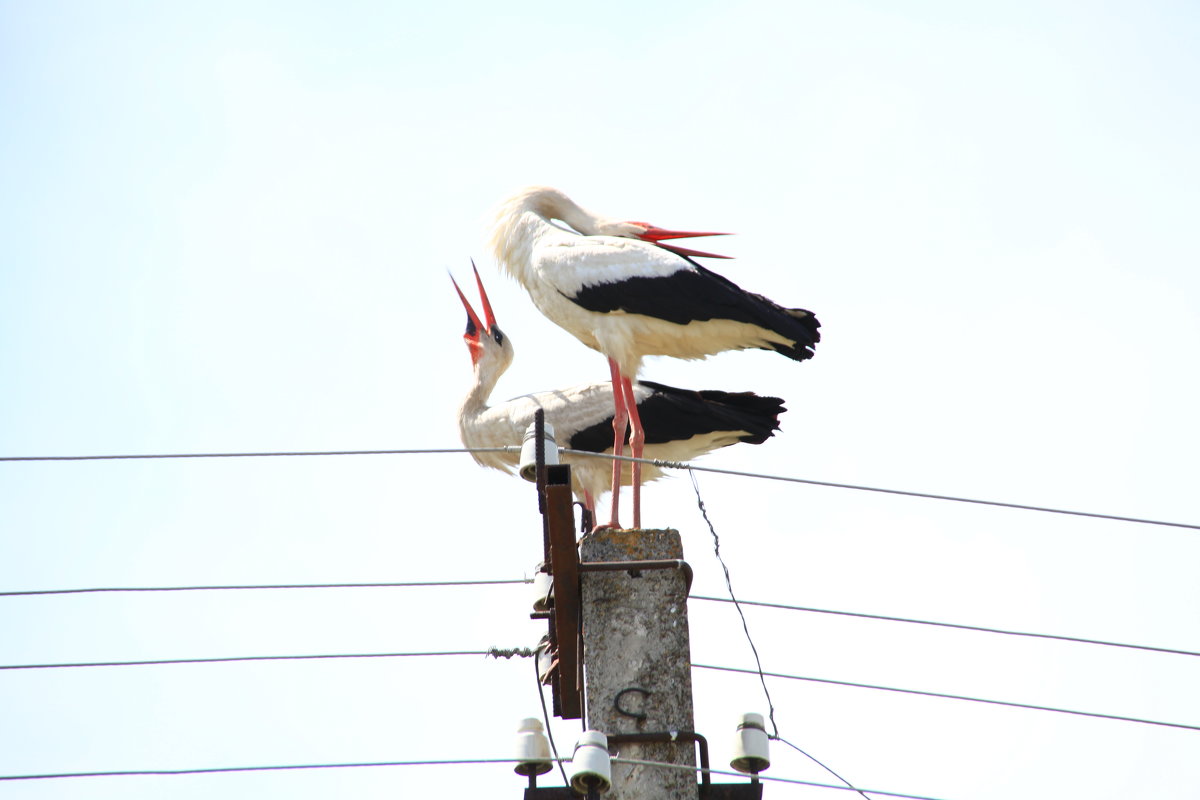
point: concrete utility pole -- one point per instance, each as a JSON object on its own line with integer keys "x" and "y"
{"x": 637, "y": 653}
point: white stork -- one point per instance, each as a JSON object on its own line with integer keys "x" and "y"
{"x": 683, "y": 424}
{"x": 620, "y": 291}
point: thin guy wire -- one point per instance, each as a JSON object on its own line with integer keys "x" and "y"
{"x": 820, "y": 764}
{"x": 654, "y": 461}
{"x": 1053, "y": 636}
{"x": 746, "y": 628}
{"x": 664, "y": 765}
{"x": 264, "y": 586}
{"x": 494, "y": 652}
{"x": 658, "y": 462}
{"x": 956, "y": 697}
{"x": 210, "y": 770}
{"x": 537, "y": 677}
{"x": 729, "y": 586}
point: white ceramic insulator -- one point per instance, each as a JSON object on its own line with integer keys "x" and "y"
{"x": 591, "y": 765}
{"x": 751, "y": 748}
{"x": 528, "y": 464}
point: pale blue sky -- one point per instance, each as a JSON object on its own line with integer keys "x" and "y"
{"x": 227, "y": 228}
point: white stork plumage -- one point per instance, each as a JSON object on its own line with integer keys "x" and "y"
{"x": 683, "y": 424}
{"x": 619, "y": 290}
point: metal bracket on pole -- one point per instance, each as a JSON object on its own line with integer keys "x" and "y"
{"x": 708, "y": 789}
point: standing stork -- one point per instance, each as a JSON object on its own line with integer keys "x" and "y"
{"x": 621, "y": 291}
{"x": 683, "y": 424}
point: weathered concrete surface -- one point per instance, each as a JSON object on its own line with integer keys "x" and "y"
{"x": 635, "y": 636}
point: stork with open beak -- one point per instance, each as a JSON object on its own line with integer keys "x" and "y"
{"x": 620, "y": 290}
{"x": 683, "y": 424}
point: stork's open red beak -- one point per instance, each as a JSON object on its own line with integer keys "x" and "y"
{"x": 657, "y": 235}
{"x": 487, "y": 306}
{"x": 474, "y": 326}
{"x": 488, "y": 316}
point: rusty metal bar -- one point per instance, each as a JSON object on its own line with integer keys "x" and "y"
{"x": 564, "y": 568}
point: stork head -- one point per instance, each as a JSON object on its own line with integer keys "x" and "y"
{"x": 654, "y": 234}
{"x": 488, "y": 345}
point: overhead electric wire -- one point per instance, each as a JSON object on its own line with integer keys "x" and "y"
{"x": 902, "y": 492}
{"x": 280, "y": 454}
{"x": 654, "y": 461}
{"x": 1056, "y": 637}
{"x": 494, "y": 652}
{"x": 514, "y": 581}
{"x": 771, "y": 778}
{"x": 954, "y": 697}
{"x": 421, "y": 763}
{"x": 211, "y": 770}
{"x": 265, "y": 586}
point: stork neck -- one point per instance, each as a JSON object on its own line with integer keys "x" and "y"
{"x": 475, "y": 402}
{"x": 553, "y": 204}
{"x": 526, "y": 217}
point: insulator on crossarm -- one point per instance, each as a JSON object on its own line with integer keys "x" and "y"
{"x": 528, "y": 464}
{"x": 533, "y": 750}
{"x": 591, "y": 766}
{"x": 751, "y": 749}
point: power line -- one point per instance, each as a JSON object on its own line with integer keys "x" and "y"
{"x": 512, "y": 581}
{"x": 265, "y": 586}
{"x": 1056, "y": 637}
{"x": 494, "y": 652}
{"x": 654, "y": 461}
{"x": 210, "y": 770}
{"x": 283, "y": 454}
{"x": 902, "y": 492}
{"x": 418, "y": 763}
{"x": 955, "y": 697}
{"x": 663, "y": 765}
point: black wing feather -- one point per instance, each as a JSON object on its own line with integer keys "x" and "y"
{"x": 697, "y": 294}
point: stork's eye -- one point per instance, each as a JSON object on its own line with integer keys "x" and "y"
{"x": 497, "y": 335}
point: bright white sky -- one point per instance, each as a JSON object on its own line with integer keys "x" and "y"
{"x": 227, "y": 228}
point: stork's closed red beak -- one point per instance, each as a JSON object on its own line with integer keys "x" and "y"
{"x": 657, "y": 235}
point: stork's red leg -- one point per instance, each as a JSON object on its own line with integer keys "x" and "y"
{"x": 620, "y": 422}
{"x": 637, "y": 440}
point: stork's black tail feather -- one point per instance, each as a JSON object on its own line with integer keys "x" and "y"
{"x": 670, "y": 414}
{"x": 803, "y": 327}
